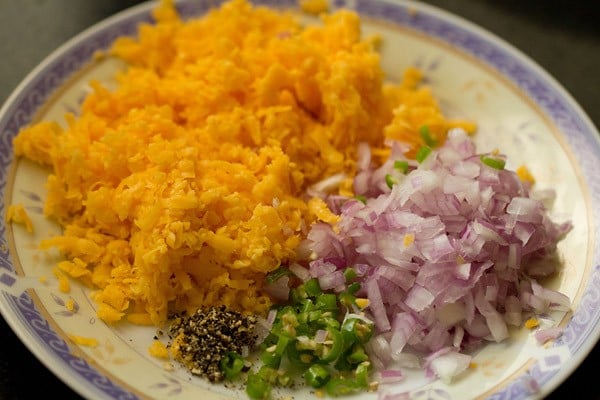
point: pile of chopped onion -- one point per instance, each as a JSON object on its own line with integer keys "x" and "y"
{"x": 448, "y": 249}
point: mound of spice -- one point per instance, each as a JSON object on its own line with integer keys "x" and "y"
{"x": 203, "y": 340}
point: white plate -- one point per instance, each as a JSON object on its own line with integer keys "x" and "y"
{"x": 519, "y": 108}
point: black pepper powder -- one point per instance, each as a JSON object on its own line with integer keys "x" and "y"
{"x": 200, "y": 340}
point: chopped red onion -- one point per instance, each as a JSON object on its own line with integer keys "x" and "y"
{"x": 332, "y": 280}
{"x": 391, "y": 395}
{"x": 302, "y": 273}
{"x": 544, "y": 335}
{"x": 320, "y": 336}
{"x": 448, "y": 254}
{"x": 449, "y": 365}
{"x": 419, "y": 298}
{"x": 379, "y": 348}
{"x": 323, "y": 187}
{"x": 377, "y": 307}
{"x": 279, "y": 289}
{"x": 390, "y": 376}
{"x": 404, "y": 326}
{"x": 553, "y": 297}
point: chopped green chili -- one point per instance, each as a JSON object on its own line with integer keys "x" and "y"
{"x": 273, "y": 376}
{"x": 347, "y": 299}
{"x": 362, "y": 374}
{"x": 494, "y": 162}
{"x": 349, "y": 274}
{"x": 401, "y": 166}
{"x": 257, "y": 388}
{"x": 312, "y": 287}
{"x": 231, "y": 365}
{"x": 422, "y": 153}
{"x": 327, "y": 302}
{"x": 308, "y": 333}
{"x": 333, "y": 349}
{"x": 341, "y": 386}
{"x": 357, "y": 330}
{"x": 278, "y": 273}
{"x": 316, "y": 375}
{"x": 299, "y": 358}
{"x": 361, "y": 198}
{"x": 426, "y": 136}
{"x": 358, "y": 354}
{"x": 353, "y": 287}
{"x": 270, "y": 359}
{"x": 342, "y": 363}
{"x": 390, "y": 180}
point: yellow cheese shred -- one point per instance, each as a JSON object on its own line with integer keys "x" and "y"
{"x": 185, "y": 185}
{"x": 83, "y": 341}
{"x": 158, "y": 349}
{"x": 16, "y": 213}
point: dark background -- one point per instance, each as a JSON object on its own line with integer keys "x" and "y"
{"x": 563, "y": 37}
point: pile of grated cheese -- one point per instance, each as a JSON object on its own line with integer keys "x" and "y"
{"x": 185, "y": 185}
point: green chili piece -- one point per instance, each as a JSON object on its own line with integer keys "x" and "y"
{"x": 327, "y": 302}
{"x": 422, "y": 153}
{"x": 270, "y": 340}
{"x": 257, "y": 388}
{"x": 305, "y": 309}
{"x": 270, "y": 359}
{"x": 315, "y": 315}
{"x": 342, "y": 364}
{"x": 312, "y": 287}
{"x": 358, "y": 354}
{"x": 340, "y": 386}
{"x": 316, "y": 375}
{"x": 289, "y": 321}
{"x": 390, "y": 180}
{"x": 284, "y": 379}
{"x": 362, "y": 374}
{"x": 349, "y": 274}
{"x": 426, "y": 136}
{"x": 278, "y": 273}
{"x": 353, "y": 287}
{"x": 329, "y": 323}
{"x": 494, "y": 162}
{"x": 307, "y": 305}
{"x": 282, "y": 343}
{"x": 347, "y": 299}
{"x": 231, "y": 365}
{"x": 299, "y": 358}
{"x": 333, "y": 347}
{"x": 271, "y": 356}
{"x": 273, "y": 376}
{"x": 269, "y": 374}
{"x": 401, "y": 166}
{"x": 361, "y": 198}
{"x": 357, "y": 330}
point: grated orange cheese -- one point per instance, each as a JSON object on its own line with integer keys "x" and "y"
{"x": 314, "y": 6}
{"x": 16, "y": 213}
{"x": 64, "y": 285}
{"x": 165, "y": 186}
{"x": 532, "y": 323}
{"x": 158, "y": 349}
{"x": 83, "y": 341}
{"x": 70, "y": 304}
{"x": 525, "y": 175}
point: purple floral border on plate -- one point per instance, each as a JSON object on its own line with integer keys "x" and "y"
{"x": 547, "y": 94}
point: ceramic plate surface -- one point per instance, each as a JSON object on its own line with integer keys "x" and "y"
{"x": 518, "y": 107}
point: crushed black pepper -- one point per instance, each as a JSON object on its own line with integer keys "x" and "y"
{"x": 200, "y": 340}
